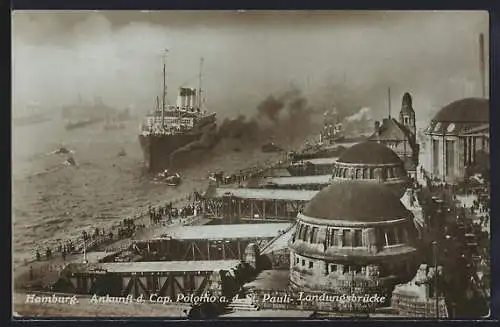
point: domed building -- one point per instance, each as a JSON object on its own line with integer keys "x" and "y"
{"x": 353, "y": 237}
{"x": 458, "y": 133}
{"x": 372, "y": 162}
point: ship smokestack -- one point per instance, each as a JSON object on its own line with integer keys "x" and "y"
{"x": 181, "y": 98}
{"x": 189, "y": 97}
{"x": 482, "y": 65}
{"x": 193, "y": 98}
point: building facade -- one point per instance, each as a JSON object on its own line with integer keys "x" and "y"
{"x": 458, "y": 135}
{"x": 400, "y": 135}
{"x": 353, "y": 238}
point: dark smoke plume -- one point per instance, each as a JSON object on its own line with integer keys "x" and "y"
{"x": 270, "y": 108}
{"x": 285, "y": 118}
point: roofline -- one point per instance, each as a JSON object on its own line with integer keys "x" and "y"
{"x": 348, "y": 223}
{"x": 395, "y": 164}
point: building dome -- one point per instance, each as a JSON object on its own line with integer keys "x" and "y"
{"x": 356, "y": 202}
{"x": 469, "y": 110}
{"x": 353, "y": 233}
{"x": 369, "y": 153}
{"x": 459, "y": 117}
{"x": 372, "y": 162}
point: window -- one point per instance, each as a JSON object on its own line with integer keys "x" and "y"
{"x": 345, "y": 269}
{"x": 333, "y": 268}
{"x": 358, "y": 238}
{"x": 314, "y": 235}
{"x": 307, "y": 234}
{"x": 297, "y": 260}
{"x": 311, "y": 264}
{"x": 365, "y": 173}
{"x": 303, "y": 262}
{"x": 390, "y": 237}
{"x": 301, "y": 232}
{"x": 347, "y": 237}
{"x": 336, "y": 237}
{"x": 358, "y": 173}
{"x": 370, "y": 173}
{"x": 384, "y": 173}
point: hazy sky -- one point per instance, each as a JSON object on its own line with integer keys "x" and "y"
{"x": 349, "y": 57}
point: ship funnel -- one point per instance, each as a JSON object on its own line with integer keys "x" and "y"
{"x": 188, "y": 98}
{"x": 182, "y": 97}
{"x": 193, "y": 98}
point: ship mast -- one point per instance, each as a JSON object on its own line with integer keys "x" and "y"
{"x": 200, "y": 81}
{"x": 164, "y": 87}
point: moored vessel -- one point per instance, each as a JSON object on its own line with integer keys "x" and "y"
{"x": 170, "y": 133}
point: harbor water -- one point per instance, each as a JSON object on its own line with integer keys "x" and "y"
{"x": 53, "y": 201}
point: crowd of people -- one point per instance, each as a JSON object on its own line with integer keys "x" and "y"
{"x": 167, "y": 212}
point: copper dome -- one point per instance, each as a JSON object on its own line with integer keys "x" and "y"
{"x": 356, "y": 201}
{"x": 369, "y": 153}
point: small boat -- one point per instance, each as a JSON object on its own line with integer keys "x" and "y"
{"x": 70, "y": 162}
{"x": 166, "y": 178}
{"x": 62, "y": 150}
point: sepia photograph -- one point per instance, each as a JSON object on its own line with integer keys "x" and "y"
{"x": 194, "y": 165}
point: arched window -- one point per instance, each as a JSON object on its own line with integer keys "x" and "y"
{"x": 358, "y": 173}
{"x": 347, "y": 238}
{"x": 307, "y": 234}
{"x": 301, "y": 232}
{"x": 314, "y": 235}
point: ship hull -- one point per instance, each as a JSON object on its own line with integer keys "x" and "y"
{"x": 162, "y": 152}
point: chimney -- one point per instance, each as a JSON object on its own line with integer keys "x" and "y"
{"x": 482, "y": 65}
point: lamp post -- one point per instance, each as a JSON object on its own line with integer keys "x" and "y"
{"x": 436, "y": 280}
{"x": 84, "y": 251}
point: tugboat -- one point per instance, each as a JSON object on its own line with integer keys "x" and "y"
{"x": 171, "y": 130}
